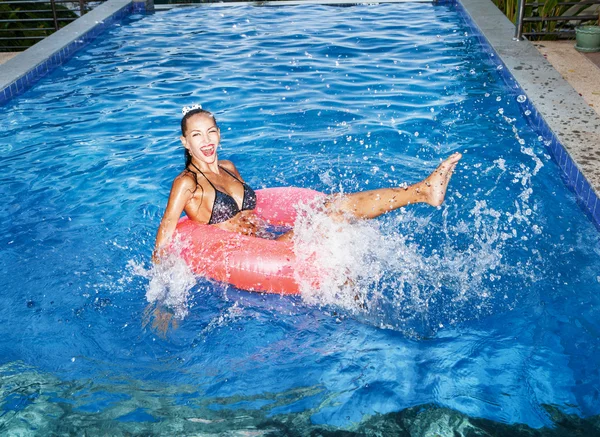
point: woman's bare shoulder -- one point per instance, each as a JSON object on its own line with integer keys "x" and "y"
{"x": 185, "y": 181}
{"x": 231, "y": 168}
{"x": 225, "y": 163}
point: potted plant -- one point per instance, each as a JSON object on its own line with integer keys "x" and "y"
{"x": 588, "y": 38}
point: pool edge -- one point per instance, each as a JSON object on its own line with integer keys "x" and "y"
{"x": 21, "y": 72}
{"x": 570, "y": 128}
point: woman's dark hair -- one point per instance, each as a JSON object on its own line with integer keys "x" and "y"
{"x": 186, "y": 117}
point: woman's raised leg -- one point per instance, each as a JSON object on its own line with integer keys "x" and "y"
{"x": 373, "y": 203}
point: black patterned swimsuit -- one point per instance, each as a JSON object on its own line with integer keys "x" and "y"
{"x": 225, "y": 206}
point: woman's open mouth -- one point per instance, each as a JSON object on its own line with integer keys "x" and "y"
{"x": 208, "y": 150}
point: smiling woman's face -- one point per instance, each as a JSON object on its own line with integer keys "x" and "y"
{"x": 202, "y": 137}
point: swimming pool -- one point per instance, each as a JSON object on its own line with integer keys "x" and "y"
{"x": 483, "y": 313}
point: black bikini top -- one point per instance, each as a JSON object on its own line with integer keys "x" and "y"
{"x": 225, "y": 206}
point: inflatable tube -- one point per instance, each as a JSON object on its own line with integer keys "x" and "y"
{"x": 249, "y": 263}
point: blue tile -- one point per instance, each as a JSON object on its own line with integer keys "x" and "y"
{"x": 590, "y": 198}
{"x": 567, "y": 169}
{"x": 558, "y": 154}
{"x": 596, "y": 210}
{"x": 579, "y": 187}
{"x": 540, "y": 126}
{"x": 563, "y": 158}
{"x": 556, "y": 148}
{"x": 569, "y": 173}
{"x": 547, "y": 132}
{"x": 574, "y": 174}
{"x": 585, "y": 190}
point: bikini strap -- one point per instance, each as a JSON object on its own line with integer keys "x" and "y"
{"x": 231, "y": 174}
{"x": 211, "y": 184}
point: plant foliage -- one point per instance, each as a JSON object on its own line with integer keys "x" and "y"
{"x": 16, "y": 34}
{"x": 549, "y": 8}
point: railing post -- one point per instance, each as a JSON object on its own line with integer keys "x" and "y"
{"x": 519, "y": 24}
{"x": 81, "y": 8}
{"x": 53, "y": 5}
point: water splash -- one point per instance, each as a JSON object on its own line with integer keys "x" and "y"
{"x": 169, "y": 283}
{"x": 410, "y": 272}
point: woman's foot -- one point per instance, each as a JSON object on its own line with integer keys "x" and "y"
{"x": 437, "y": 182}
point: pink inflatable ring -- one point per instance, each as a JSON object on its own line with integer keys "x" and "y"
{"x": 249, "y": 263}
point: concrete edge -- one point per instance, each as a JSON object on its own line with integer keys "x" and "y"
{"x": 165, "y": 7}
{"x": 570, "y": 128}
{"x": 20, "y": 72}
{"x": 294, "y": 3}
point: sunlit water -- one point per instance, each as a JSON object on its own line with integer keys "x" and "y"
{"x": 486, "y": 307}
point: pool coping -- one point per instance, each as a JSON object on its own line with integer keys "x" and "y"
{"x": 570, "y": 128}
{"x": 21, "y": 72}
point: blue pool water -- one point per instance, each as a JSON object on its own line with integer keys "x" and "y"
{"x": 482, "y": 314}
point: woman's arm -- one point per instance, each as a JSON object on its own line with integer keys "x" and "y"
{"x": 181, "y": 193}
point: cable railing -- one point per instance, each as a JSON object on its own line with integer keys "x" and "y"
{"x": 542, "y": 19}
{"x": 23, "y": 23}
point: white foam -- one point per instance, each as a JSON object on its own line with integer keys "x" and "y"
{"x": 408, "y": 268}
{"x": 169, "y": 283}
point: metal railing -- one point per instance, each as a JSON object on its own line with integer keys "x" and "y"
{"x": 23, "y": 23}
{"x": 549, "y": 22}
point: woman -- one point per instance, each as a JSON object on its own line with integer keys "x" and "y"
{"x": 211, "y": 191}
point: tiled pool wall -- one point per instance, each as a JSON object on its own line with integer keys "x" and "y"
{"x": 65, "y": 43}
{"x": 62, "y": 45}
{"x": 572, "y": 174}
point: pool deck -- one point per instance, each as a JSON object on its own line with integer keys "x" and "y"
{"x": 562, "y": 85}
{"x": 580, "y": 70}
{"x": 6, "y": 56}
